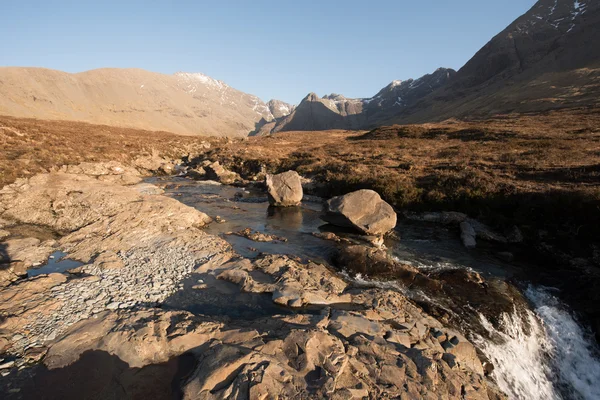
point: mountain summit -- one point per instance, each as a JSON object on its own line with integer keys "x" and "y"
{"x": 334, "y": 111}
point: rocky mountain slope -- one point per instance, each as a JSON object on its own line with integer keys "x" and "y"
{"x": 335, "y": 111}
{"x": 186, "y": 103}
{"x": 547, "y": 58}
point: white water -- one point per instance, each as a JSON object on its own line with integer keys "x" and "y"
{"x": 555, "y": 358}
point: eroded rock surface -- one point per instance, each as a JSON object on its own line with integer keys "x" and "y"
{"x": 341, "y": 342}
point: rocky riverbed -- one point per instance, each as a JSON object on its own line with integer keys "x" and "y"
{"x": 323, "y": 337}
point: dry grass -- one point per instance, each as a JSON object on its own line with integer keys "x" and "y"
{"x": 29, "y": 146}
{"x": 539, "y": 172}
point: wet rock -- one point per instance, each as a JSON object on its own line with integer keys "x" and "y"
{"x": 148, "y": 189}
{"x": 196, "y": 173}
{"x": 363, "y": 210}
{"x": 506, "y": 256}
{"x": 327, "y": 236}
{"x": 485, "y": 232}
{"x": 514, "y": 235}
{"x": 443, "y": 217}
{"x": 468, "y": 235}
{"x": 258, "y": 236}
{"x": 217, "y": 172}
{"x": 372, "y": 261}
{"x": 284, "y": 189}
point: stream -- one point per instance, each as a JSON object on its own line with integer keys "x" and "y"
{"x": 539, "y": 351}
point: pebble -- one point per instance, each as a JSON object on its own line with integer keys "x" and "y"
{"x": 148, "y": 276}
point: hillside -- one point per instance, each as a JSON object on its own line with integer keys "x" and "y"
{"x": 184, "y": 103}
{"x": 546, "y": 59}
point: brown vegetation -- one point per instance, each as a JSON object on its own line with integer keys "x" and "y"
{"x": 29, "y": 146}
{"x": 540, "y": 172}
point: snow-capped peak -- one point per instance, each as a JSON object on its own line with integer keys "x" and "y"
{"x": 202, "y": 78}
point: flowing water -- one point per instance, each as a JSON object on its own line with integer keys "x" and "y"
{"x": 539, "y": 352}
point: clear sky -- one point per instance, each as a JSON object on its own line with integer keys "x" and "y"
{"x": 273, "y": 49}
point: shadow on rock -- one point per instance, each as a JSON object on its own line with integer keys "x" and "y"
{"x": 4, "y": 257}
{"x": 100, "y": 375}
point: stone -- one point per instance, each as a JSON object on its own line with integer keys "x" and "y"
{"x": 217, "y": 172}
{"x": 506, "y": 256}
{"x": 485, "y": 232}
{"x": 257, "y": 236}
{"x": 285, "y": 189}
{"x": 363, "y": 210}
{"x": 147, "y": 189}
{"x": 468, "y": 235}
{"x": 514, "y": 235}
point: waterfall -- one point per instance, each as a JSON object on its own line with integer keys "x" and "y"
{"x": 542, "y": 353}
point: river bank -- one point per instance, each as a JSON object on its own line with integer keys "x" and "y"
{"x": 137, "y": 248}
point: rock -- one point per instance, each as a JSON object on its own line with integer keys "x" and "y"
{"x": 506, "y": 256}
{"x": 514, "y": 235}
{"x": 21, "y": 254}
{"x": 108, "y": 260}
{"x": 258, "y": 236}
{"x": 6, "y": 365}
{"x": 468, "y": 235}
{"x": 147, "y": 189}
{"x": 155, "y": 164}
{"x": 284, "y": 189}
{"x": 327, "y": 236}
{"x": 196, "y": 173}
{"x": 443, "y": 217}
{"x": 363, "y": 210}
{"x": 216, "y": 171}
{"x": 485, "y": 232}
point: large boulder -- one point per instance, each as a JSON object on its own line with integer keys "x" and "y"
{"x": 363, "y": 210}
{"x": 284, "y": 189}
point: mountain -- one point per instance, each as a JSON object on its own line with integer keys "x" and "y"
{"x": 335, "y": 111}
{"x": 185, "y": 103}
{"x": 547, "y": 58}
{"x": 279, "y": 109}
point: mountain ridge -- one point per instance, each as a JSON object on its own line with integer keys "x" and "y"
{"x": 184, "y": 103}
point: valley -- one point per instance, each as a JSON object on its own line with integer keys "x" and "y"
{"x": 168, "y": 236}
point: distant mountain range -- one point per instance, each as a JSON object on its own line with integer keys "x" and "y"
{"x": 335, "y": 111}
{"x": 548, "y": 58}
{"x": 185, "y": 103}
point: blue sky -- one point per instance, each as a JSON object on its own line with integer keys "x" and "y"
{"x": 273, "y": 49}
